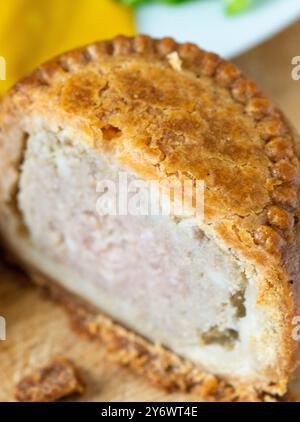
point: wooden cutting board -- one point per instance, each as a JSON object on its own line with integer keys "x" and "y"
{"x": 37, "y": 329}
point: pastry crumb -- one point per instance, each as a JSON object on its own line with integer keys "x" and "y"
{"x": 175, "y": 61}
{"x": 50, "y": 383}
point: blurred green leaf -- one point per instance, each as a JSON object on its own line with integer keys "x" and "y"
{"x": 138, "y": 2}
{"x": 232, "y": 7}
{"x": 236, "y": 6}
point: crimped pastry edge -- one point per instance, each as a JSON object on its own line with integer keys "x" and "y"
{"x": 264, "y": 243}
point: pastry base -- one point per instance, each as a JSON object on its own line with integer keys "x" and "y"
{"x": 154, "y": 362}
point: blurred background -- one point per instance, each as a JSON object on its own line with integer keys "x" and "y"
{"x": 32, "y": 31}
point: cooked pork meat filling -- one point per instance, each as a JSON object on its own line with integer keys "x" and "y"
{"x": 133, "y": 267}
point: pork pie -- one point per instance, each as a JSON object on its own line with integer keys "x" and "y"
{"x": 206, "y": 303}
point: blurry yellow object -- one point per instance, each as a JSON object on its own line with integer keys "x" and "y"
{"x": 32, "y": 31}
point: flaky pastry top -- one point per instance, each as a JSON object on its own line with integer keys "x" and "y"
{"x": 174, "y": 110}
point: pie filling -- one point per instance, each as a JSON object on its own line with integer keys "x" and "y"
{"x": 158, "y": 275}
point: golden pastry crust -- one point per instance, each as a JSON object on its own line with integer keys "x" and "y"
{"x": 202, "y": 120}
{"x": 205, "y": 121}
{"x": 55, "y": 381}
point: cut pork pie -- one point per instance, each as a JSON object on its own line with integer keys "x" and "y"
{"x": 194, "y": 302}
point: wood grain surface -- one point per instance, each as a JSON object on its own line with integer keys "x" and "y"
{"x": 38, "y": 329}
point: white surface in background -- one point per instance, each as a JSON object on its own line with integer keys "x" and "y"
{"x": 204, "y": 22}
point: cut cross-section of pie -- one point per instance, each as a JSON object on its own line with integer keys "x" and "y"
{"x": 206, "y": 301}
